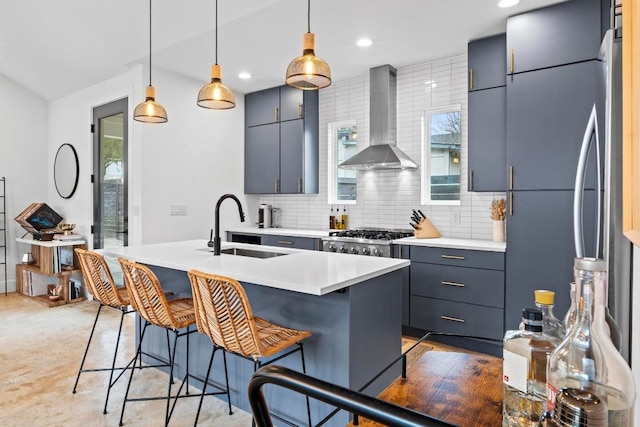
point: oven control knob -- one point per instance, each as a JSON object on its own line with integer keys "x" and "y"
{"x": 353, "y": 250}
{"x": 377, "y": 252}
{"x": 332, "y": 247}
{"x": 343, "y": 249}
{"x": 365, "y": 251}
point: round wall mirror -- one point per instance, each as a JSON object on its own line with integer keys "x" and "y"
{"x": 66, "y": 170}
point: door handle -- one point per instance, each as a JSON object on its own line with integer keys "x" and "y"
{"x": 511, "y": 203}
{"x": 460, "y": 285}
{"x": 470, "y": 78}
{"x": 453, "y": 257}
{"x": 453, "y": 319}
{"x": 299, "y": 185}
{"x": 471, "y": 181}
{"x": 122, "y": 232}
{"x": 511, "y": 177}
{"x": 299, "y": 109}
{"x": 276, "y": 113}
{"x": 285, "y": 242}
{"x": 511, "y": 62}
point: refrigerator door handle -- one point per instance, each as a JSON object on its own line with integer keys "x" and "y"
{"x": 578, "y": 230}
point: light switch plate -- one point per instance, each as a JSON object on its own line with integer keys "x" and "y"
{"x": 178, "y": 210}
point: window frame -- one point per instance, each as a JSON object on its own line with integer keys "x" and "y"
{"x": 425, "y": 173}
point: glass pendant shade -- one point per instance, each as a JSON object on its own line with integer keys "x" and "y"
{"x": 308, "y": 72}
{"x": 150, "y": 111}
{"x": 215, "y": 95}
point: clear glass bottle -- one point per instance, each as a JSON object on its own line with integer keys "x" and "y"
{"x": 587, "y": 359}
{"x": 525, "y": 356}
{"x": 572, "y": 314}
{"x": 550, "y": 323}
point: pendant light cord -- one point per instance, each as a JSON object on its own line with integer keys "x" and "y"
{"x": 216, "y": 32}
{"x": 149, "y": 42}
{"x": 308, "y": 16}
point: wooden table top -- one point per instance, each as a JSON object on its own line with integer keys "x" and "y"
{"x": 464, "y": 389}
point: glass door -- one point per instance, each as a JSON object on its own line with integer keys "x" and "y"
{"x": 110, "y": 210}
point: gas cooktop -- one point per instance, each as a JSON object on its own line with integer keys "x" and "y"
{"x": 371, "y": 234}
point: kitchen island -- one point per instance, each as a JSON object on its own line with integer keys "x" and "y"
{"x": 351, "y": 304}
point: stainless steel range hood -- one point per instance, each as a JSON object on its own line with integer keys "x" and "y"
{"x": 382, "y": 152}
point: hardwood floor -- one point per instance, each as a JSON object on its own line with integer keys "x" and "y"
{"x": 460, "y": 387}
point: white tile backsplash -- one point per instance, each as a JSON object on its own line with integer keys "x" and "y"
{"x": 385, "y": 198}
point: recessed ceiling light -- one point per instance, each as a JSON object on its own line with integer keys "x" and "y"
{"x": 508, "y": 3}
{"x": 364, "y": 42}
{"x": 244, "y": 75}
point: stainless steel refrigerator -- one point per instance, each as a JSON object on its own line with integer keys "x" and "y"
{"x": 613, "y": 247}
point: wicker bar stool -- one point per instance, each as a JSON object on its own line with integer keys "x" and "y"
{"x": 102, "y": 287}
{"x": 148, "y": 299}
{"x": 224, "y": 314}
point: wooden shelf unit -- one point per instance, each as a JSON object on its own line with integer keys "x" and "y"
{"x": 43, "y": 264}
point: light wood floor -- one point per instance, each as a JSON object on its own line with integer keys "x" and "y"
{"x": 41, "y": 349}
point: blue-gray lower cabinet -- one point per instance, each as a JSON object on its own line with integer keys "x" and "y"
{"x": 403, "y": 252}
{"x": 541, "y": 249}
{"x": 282, "y": 241}
{"x": 458, "y": 291}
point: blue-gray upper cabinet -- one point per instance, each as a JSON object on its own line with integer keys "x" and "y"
{"x": 277, "y": 104}
{"x": 560, "y": 34}
{"x": 487, "y": 140}
{"x": 547, "y": 113}
{"x": 487, "y": 61}
{"x": 281, "y": 141}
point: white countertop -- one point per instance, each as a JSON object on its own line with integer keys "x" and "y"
{"x": 51, "y": 243}
{"x": 293, "y": 232}
{"x": 310, "y": 272}
{"x": 453, "y": 243}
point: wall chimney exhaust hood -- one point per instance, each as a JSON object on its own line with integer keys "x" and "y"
{"x": 382, "y": 152}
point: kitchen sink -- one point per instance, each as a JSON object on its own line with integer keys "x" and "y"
{"x": 251, "y": 253}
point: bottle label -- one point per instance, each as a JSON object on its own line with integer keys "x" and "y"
{"x": 514, "y": 370}
{"x": 552, "y": 391}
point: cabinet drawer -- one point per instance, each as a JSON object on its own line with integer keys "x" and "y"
{"x": 290, "y": 242}
{"x": 461, "y": 284}
{"x": 458, "y": 257}
{"x": 456, "y": 317}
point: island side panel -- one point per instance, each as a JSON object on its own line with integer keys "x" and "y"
{"x": 327, "y": 351}
{"x": 375, "y": 331}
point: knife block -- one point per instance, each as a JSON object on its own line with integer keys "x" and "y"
{"x": 426, "y": 230}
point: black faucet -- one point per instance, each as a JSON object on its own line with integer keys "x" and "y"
{"x": 216, "y": 240}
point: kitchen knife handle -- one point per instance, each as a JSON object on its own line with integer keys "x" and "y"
{"x": 453, "y": 319}
{"x": 471, "y": 78}
{"x": 511, "y": 177}
{"x": 276, "y": 114}
{"x": 460, "y": 257}
{"x": 511, "y": 62}
{"x": 446, "y": 283}
{"x": 511, "y": 203}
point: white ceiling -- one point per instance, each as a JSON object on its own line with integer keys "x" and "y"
{"x": 55, "y": 48}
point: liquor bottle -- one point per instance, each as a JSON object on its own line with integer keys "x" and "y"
{"x": 550, "y": 324}
{"x": 525, "y": 356}
{"x": 587, "y": 359}
{"x": 572, "y": 314}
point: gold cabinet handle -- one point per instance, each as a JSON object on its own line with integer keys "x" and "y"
{"x": 276, "y": 113}
{"x": 300, "y": 109}
{"x": 511, "y": 203}
{"x": 460, "y": 285}
{"x": 511, "y": 62}
{"x": 285, "y": 242}
{"x": 470, "y": 78}
{"x": 453, "y": 319}
{"x": 453, "y": 257}
{"x": 510, "y": 177}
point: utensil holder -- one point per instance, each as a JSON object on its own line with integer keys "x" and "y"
{"x": 426, "y": 230}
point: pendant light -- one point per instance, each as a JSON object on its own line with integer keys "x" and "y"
{"x": 308, "y": 72}
{"x": 150, "y": 111}
{"x": 215, "y": 95}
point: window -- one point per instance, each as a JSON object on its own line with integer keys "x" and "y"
{"x": 343, "y": 138}
{"x": 441, "y": 155}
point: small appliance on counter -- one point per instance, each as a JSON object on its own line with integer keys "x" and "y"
{"x": 264, "y": 216}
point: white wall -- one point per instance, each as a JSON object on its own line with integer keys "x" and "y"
{"x": 191, "y": 160}
{"x": 385, "y": 198}
{"x": 23, "y": 162}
